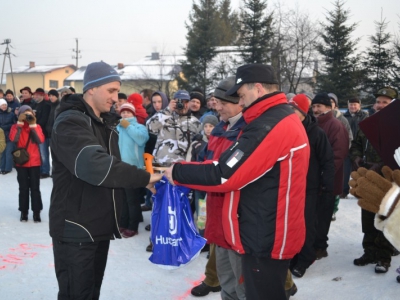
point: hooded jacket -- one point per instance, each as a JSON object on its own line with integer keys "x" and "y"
{"x": 263, "y": 178}
{"x": 88, "y": 174}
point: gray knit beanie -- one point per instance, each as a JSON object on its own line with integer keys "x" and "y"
{"x": 223, "y": 86}
{"x": 210, "y": 119}
{"x": 24, "y": 108}
{"x": 97, "y": 74}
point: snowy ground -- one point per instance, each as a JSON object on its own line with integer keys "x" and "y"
{"x": 27, "y": 269}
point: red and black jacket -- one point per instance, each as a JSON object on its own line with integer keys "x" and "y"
{"x": 263, "y": 176}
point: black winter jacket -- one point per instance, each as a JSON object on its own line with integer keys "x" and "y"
{"x": 42, "y": 115}
{"x": 88, "y": 174}
{"x": 321, "y": 170}
{"x": 50, "y": 121}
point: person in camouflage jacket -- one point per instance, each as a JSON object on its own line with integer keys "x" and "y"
{"x": 175, "y": 127}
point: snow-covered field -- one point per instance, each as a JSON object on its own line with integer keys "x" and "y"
{"x": 27, "y": 269}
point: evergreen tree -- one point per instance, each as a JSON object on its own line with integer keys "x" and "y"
{"x": 228, "y": 24}
{"x": 339, "y": 76}
{"x": 379, "y": 59}
{"x": 202, "y": 38}
{"x": 395, "y": 71}
{"x": 256, "y": 32}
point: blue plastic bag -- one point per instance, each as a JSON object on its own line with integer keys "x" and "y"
{"x": 175, "y": 239}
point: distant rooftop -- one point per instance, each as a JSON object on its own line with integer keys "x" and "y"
{"x": 32, "y": 68}
{"x": 152, "y": 67}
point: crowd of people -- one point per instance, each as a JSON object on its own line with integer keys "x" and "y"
{"x": 260, "y": 151}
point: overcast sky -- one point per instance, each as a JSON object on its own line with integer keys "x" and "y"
{"x": 127, "y": 30}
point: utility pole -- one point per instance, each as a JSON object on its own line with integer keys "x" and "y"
{"x": 7, "y": 54}
{"x": 77, "y": 53}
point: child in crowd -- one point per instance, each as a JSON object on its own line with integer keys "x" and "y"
{"x": 198, "y": 148}
{"x": 132, "y": 139}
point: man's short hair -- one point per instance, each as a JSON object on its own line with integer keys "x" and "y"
{"x": 147, "y": 93}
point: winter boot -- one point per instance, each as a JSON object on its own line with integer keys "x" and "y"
{"x": 203, "y": 289}
{"x": 364, "y": 260}
{"x": 36, "y": 217}
{"x": 382, "y": 267}
{"x": 24, "y": 216}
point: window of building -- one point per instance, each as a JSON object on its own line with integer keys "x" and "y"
{"x": 53, "y": 84}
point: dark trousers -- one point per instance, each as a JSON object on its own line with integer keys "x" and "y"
{"x": 264, "y": 278}
{"x": 347, "y": 170}
{"x": 29, "y": 181}
{"x": 307, "y": 254}
{"x": 80, "y": 269}
{"x": 131, "y": 209}
{"x": 375, "y": 245}
{"x": 326, "y": 203}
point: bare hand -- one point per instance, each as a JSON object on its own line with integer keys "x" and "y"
{"x": 168, "y": 175}
{"x": 153, "y": 179}
{"x": 172, "y": 105}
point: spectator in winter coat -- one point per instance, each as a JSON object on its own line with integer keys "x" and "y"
{"x": 197, "y": 104}
{"x": 211, "y": 107}
{"x": 54, "y": 104}
{"x": 132, "y": 139}
{"x": 339, "y": 140}
{"x": 354, "y": 115}
{"x": 147, "y": 101}
{"x": 140, "y": 113}
{"x": 122, "y": 99}
{"x": 377, "y": 249}
{"x": 7, "y": 119}
{"x": 223, "y": 261}
{"x": 27, "y": 134}
{"x": 338, "y": 115}
{"x": 320, "y": 177}
{"x": 26, "y": 97}
{"x": 88, "y": 182}
{"x": 12, "y": 102}
{"x": 264, "y": 195}
{"x": 42, "y": 116}
{"x": 159, "y": 101}
{"x": 175, "y": 128}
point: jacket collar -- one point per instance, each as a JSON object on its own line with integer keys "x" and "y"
{"x": 262, "y": 104}
{"x": 325, "y": 117}
{"x": 76, "y": 102}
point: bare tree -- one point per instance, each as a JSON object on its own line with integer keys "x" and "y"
{"x": 295, "y": 47}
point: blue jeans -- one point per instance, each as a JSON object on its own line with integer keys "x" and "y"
{"x": 6, "y": 157}
{"x": 44, "y": 154}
